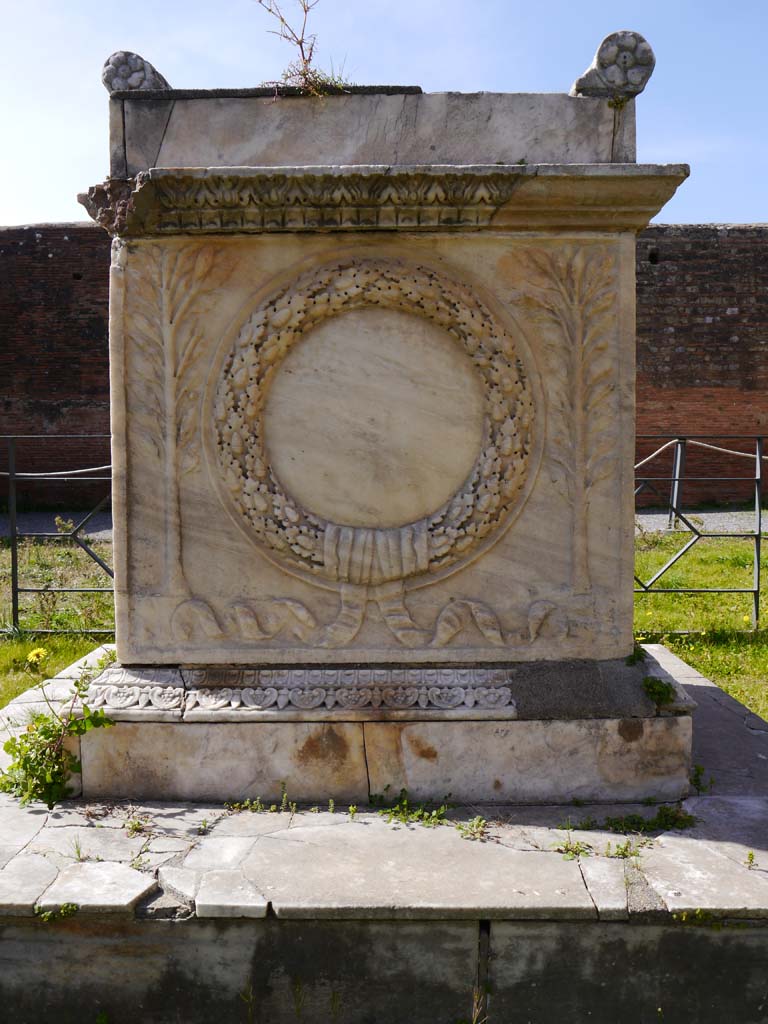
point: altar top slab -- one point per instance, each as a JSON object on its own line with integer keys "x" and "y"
{"x": 235, "y": 128}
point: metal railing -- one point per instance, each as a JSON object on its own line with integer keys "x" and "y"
{"x": 15, "y": 478}
{"x": 672, "y": 495}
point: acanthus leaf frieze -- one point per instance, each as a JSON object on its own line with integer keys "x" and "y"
{"x": 183, "y": 690}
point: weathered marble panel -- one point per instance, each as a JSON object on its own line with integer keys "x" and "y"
{"x": 265, "y": 529}
{"x": 372, "y": 364}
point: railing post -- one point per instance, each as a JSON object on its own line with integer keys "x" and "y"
{"x": 13, "y": 530}
{"x": 678, "y": 468}
{"x": 758, "y": 531}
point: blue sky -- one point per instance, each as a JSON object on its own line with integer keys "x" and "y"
{"x": 705, "y": 104}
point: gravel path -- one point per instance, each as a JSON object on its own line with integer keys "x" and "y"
{"x": 98, "y": 528}
{"x": 710, "y": 522}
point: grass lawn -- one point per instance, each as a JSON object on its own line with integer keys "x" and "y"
{"x": 17, "y": 675}
{"x": 53, "y": 564}
{"x": 718, "y": 641}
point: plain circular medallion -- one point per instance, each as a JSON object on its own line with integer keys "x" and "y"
{"x": 374, "y": 419}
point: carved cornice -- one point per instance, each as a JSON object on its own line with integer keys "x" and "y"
{"x": 257, "y": 200}
{"x": 276, "y": 201}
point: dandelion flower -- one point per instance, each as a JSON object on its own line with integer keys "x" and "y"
{"x": 36, "y": 656}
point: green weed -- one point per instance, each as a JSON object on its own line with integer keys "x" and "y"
{"x": 668, "y": 817}
{"x": 626, "y": 850}
{"x": 660, "y": 691}
{"x": 699, "y": 783}
{"x": 572, "y": 849}
{"x": 65, "y": 910}
{"x": 402, "y": 810}
{"x": 475, "y": 828}
{"x": 41, "y": 764}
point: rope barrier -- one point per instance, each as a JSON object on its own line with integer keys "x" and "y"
{"x": 61, "y": 472}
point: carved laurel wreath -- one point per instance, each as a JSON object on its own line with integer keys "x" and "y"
{"x": 304, "y": 540}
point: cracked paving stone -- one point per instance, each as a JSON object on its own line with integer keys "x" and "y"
{"x": 180, "y": 881}
{"x": 605, "y": 881}
{"x": 98, "y": 888}
{"x": 366, "y": 868}
{"x": 19, "y": 825}
{"x": 66, "y": 843}
{"x": 23, "y": 881}
{"x": 228, "y": 894}
{"x": 213, "y": 853}
{"x": 691, "y": 875}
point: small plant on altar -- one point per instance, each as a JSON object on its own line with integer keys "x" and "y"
{"x": 57, "y": 914}
{"x": 572, "y": 849}
{"x": 404, "y": 811}
{"x": 301, "y": 73}
{"x": 659, "y": 691}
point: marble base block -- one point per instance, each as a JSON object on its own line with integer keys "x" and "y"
{"x": 519, "y": 733}
{"x": 610, "y": 760}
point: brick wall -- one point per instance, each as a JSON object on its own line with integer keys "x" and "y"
{"x": 702, "y": 342}
{"x": 54, "y": 362}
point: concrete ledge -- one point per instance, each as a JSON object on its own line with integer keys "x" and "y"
{"x": 281, "y": 971}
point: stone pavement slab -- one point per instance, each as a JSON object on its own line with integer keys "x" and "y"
{"x": 730, "y": 742}
{"x": 19, "y": 825}
{"x": 606, "y": 883}
{"x": 738, "y": 826}
{"x": 98, "y": 888}
{"x": 229, "y": 894}
{"x": 23, "y": 882}
{"x": 693, "y": 876}
{"x": 320, "y": 865}
{"x": 180, "y": 882}
{"x": 90, "y": 660}
{"x": 214, "y": 853}
{"x": 367, "y": 868}
{"x": 70, "y": 843}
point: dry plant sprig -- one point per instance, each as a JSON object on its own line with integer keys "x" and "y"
{"x": 303, "y": 42}
{"x": 300, "y": 74}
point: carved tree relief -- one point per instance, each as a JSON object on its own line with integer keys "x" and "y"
{"x": 170, "y": 292}
{"x": 572, "y": 292}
